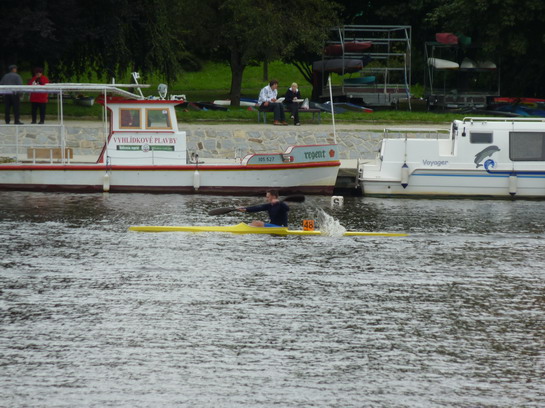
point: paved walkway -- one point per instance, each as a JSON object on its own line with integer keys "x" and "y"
{"x": 310, "y": 126}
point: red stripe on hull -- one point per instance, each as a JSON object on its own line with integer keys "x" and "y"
{"x": 231, "y": 190}
{"x": 209, "y": 167}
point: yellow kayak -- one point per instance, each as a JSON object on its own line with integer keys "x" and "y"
{"x": 243, "y": 228}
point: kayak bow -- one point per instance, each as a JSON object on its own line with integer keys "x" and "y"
{"x": 243, "y": 228}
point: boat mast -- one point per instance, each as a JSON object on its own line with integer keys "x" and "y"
{"x": 332, "y": 110}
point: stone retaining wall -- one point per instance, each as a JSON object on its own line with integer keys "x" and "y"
{"x": 215, "y": 141}
{"x": 224, "y": 144}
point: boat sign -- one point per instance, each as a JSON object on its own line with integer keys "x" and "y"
{"x": 298, "y": 154}
{"x": 145, "y": 148}
{"x": 315, "y": 153}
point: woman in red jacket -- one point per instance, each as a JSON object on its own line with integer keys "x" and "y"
{"x": 38, "y": 100}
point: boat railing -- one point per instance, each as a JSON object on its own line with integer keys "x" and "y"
{"x": 416, "y": 133}
{"x": 500, "y": 119}
{"x": 21, "y": 143}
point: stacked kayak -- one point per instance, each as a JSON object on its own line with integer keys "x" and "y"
{"x": 360, "y": 80}
{"x": 243, "y": 228}
{"x": 353, "y": 46}
{"x": 439, "y": 63}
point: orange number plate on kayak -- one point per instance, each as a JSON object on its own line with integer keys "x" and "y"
{"x": 308, "y": 225}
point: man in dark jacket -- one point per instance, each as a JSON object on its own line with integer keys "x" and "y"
{"x": 12, "y": 99}
{"x": 278, "y": 211}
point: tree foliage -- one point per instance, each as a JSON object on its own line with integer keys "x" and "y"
{"x": 109, "y": 37}
{"x": 106, "y": 37}
{"x": 244, "y": 31}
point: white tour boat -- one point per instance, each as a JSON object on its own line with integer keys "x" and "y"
{"x": 146, "y": 152}
{"x": 478, "y": 157}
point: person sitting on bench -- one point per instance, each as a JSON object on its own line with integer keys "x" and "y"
{"x": 268, "y": 102}
{"x": 292, "y": 94}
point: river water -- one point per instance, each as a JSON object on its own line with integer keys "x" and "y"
{"x": 93, "y": 315}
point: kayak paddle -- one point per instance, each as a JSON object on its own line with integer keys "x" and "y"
{"x": 225, "y": 210}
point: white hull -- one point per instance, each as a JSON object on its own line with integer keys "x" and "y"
{"x": 211, "y": 179}
{"x": 457, "y": 184}
{"x": 480, "y": 158}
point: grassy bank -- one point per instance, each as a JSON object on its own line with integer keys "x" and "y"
{"x": 214, "y": 81}
{"x": 245, "y": 116}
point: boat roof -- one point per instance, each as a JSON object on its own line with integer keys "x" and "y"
{"x": 76, "y": 87}
{"x": 147, "y": 101}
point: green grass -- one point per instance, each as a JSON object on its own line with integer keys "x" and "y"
{"x": 70, "y": 110}
{"x": 214, "y": 81}
{"x": 242, "y": 115}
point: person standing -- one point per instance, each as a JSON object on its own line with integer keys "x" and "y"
{"x": 11, "y": 100}
{"x": 268, "y": 102}
{"x": 38, "y": 100}
{"x": 278, "y": 211}
{"x": 291, "y": 95}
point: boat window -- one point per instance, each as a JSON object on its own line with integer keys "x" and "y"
{"x": 485, "y": 138}
{"x": 527, "y": 146}
{"x": 158, "y": 119}
{"x": 129, "y": 118}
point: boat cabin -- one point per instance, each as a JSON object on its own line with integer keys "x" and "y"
{"x": 143, "y": 132}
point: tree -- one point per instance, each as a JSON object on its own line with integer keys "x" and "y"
{"x": 105, "y": 37}
{"x": 243, "y": 31}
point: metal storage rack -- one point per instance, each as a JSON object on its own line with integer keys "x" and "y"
{"x": 462, "y": 87}
{"x": 390, "y": 63}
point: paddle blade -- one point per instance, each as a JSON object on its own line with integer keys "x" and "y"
{"x": 294, "y": 198}
{"x": 219, "y": 211}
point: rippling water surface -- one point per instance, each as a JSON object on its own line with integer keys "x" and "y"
{"x": 92, "y": 315}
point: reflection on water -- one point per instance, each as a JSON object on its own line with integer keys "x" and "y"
{"x": 95, "y": 315}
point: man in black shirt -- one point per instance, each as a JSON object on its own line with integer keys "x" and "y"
{"x": 278, "y": 211}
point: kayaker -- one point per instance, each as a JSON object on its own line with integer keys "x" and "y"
{"x": 278, "y": 211}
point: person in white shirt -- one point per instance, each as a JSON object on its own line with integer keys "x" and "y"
{"x": 268, "y": 102}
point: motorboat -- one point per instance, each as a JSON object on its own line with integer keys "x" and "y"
{"x": 146, "y": 151}
{"x": 476, "y": 157}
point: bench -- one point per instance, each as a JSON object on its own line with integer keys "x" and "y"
{"x": 53, "y": 153}
{"x": 316, "y": 114}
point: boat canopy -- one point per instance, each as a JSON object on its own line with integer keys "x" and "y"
{"x": 59, "y": 88}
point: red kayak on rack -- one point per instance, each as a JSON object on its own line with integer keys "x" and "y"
{"x": 354, "y": 46}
